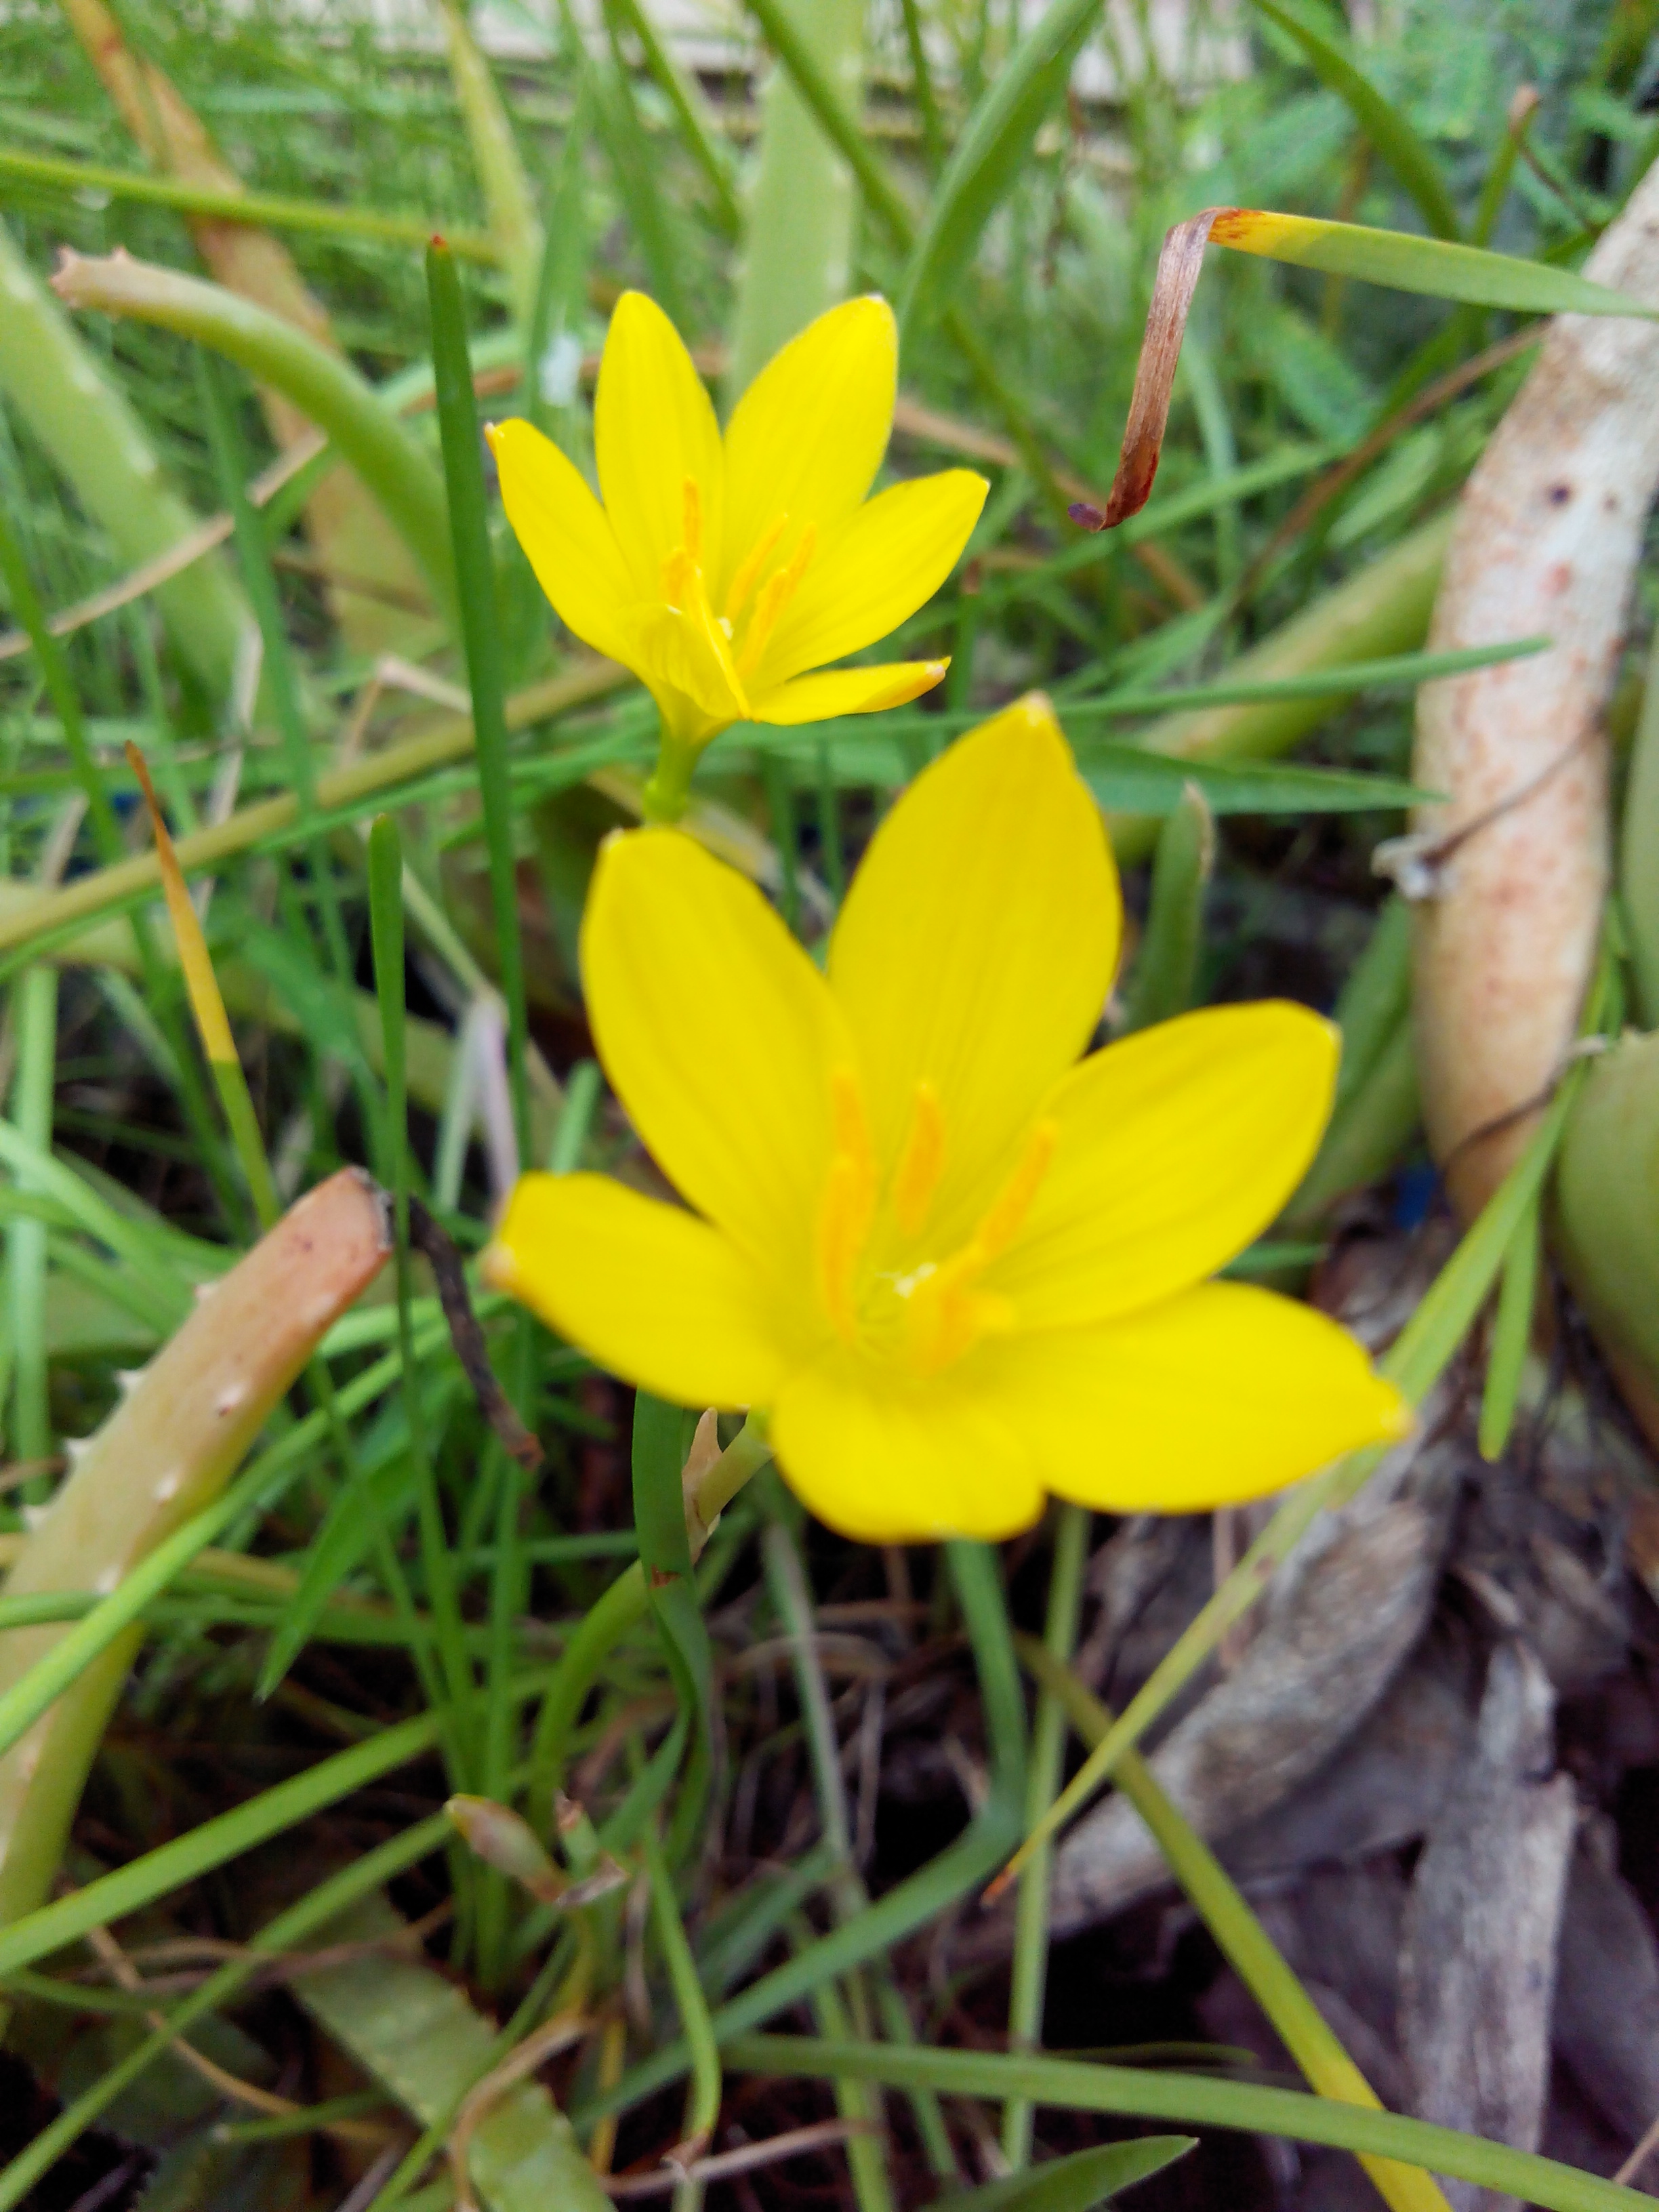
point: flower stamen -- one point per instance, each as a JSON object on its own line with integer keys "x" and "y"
{"x": 923, "y": 1162}
{"x": 775, "y": 594}
{"x": 748, "y": 568}
{"x": 849, "y": 1206}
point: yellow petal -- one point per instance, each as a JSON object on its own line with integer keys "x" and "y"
{"x": 565, "y": 534}
{"x": 1222, "y": 1394}
{"x": 1174, "y": 1148}
{"x": 650, "y": 1292}
{"x": 887, "y": 1465}
{"x": 976, "y": 946}
{"x": 846, "y": 691}
{"x": 720, "y": 1036}
{"x": 875, "y": 571}
{"x": 807, "y": 437}
{"x": 653, "y": 428}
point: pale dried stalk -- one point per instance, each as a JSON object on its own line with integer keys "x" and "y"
{"x": 167, "y": 1451}
{"x": 1547, "y": 541}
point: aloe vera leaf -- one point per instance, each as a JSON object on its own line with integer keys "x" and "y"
{"x": 349, "y": 535}
{"x": 97, "y": 442}
{"x": 164, "y": 1453}
{"x": 417, "y": 2033}
{"x": 1605, "y": 1223}
{"x": 798, "y": 246}
{"x": 326, "y": 389}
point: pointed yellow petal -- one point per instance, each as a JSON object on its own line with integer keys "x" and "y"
{"x": 653, "y": 429}
{"x": 976, "y": 946}
{"x": 887, "y": 1465}
{"x": 846, "y": 691}
{"x": 1174, "y": 1148}
{"x": 807, "y": 437}
{"x": 720, "y": 1036}
{"x": 874, "y": 572}
{"x": 566, "y": 537}
{"x": 651, "y": 1293}
{"x": 1224, "y": 1393}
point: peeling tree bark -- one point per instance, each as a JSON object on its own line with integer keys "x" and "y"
{"x": 1545, "y": 544}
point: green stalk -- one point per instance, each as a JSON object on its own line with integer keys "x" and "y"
{"x": 1370, "y": 1127}
{"x": 699, "y": 134}
{"x": 475, "y": 574}
{"x": 1383, "y": 609}
{"x": 704, "y": 2109}
{"x": 54, "y": 914}
{"x": 106, "y": 835}
{"x": 385, "y": 910}
{"x": 1166, "y": 967}
{"x": 1298, "y": 2021}
{"x": 797, "y": 249}
{"x": 98, "y": 443}
{"x": 1194, "y": 2100}
{"x": 1511, "y": 1336}
{"x": 261, "y": 210}
{"x": 921, "y": 78}
{"x": 1030, "y": 1978}
{"x": 514, "y": 226}
{"x": 321, "y": 384}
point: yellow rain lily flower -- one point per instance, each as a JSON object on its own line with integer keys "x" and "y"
{"x": 959, "y": 1265}
{"x": 720, "y": 569}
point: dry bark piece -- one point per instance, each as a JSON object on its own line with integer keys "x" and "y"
{"x": 1606, "y": 1988}
{"x": 1339, "y": 1623}
{"x": 1479, "y": 1957}
{"x": 1548, "y": 532}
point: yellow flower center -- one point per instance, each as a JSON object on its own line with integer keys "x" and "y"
{"x": 884, "y": 1293}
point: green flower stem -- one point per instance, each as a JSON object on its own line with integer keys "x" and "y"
{"x": 49, "y": 917}
{"x": 1300, "y": 2025}
{"x": 263, "y": 210}
{"x": 1030, "y": 1978}
{"x": 620, "y": 1610}
{"x": 1194, "y": 2100}
{"x": 321, "y": 384}
{"x": 1415, "y": 1361}
{"x": 668, "y": 789}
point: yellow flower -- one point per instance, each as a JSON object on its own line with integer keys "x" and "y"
{"x": 719, "y": 569}
{"x": 958, "y": 1265}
